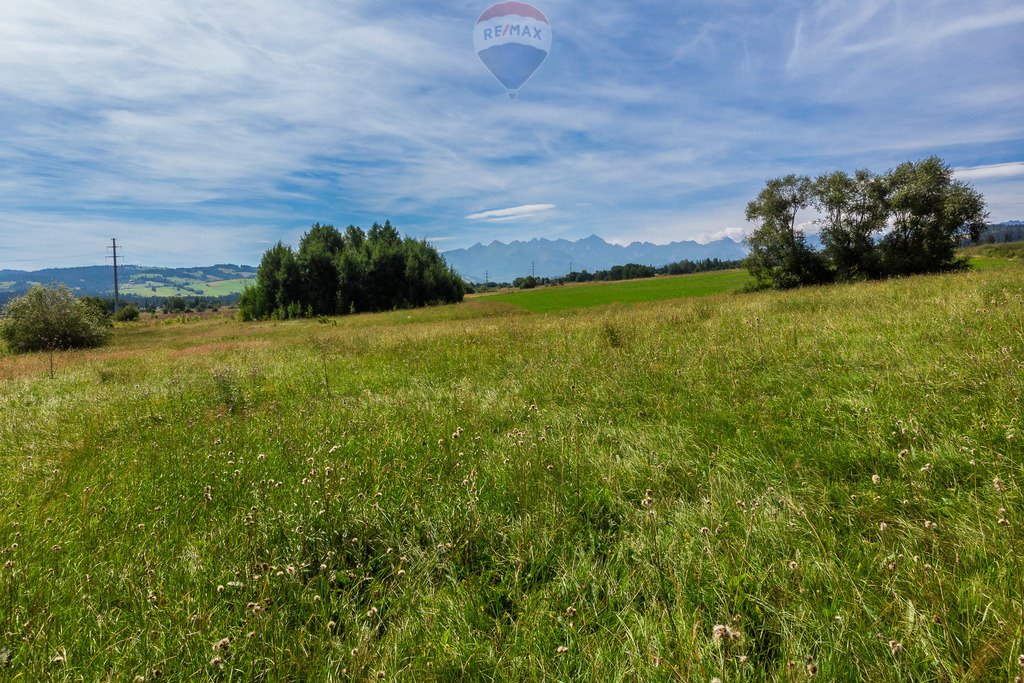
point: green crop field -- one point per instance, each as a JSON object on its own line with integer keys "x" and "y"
{"x": 547, "y": 299}
{"x": 144, "y": 287}
{"x": 820, "y": 484}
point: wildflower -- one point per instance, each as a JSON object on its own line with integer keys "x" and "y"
{"x": 875, "y": 479}
{"x": 998, "y": 483}
{"x": 217, "y": 662}
{"x": 722, "y": 632}
{"x": 261, "y": 457}
{"x": 895, "y": 646}
{"x": 930, "y": 525}
{"x": 58, "y": 659}
{"x": 706, "y": 531}
{"x": 355, "y": 651}
{"x": 927, "y": 467}
{"x": 562, "y": 649}
{"x": 882, "y": 527}
{"x": 743, "y": 659}
{"x": 793, "y": 566}
{"x": 222, "y": 645}
{"x": 372, "y": 613}
{"x": 220, "y": 589}
{"x": 571, "y": 611}
{"x": 331, "y": 625}
{"x": 208, "y": 493}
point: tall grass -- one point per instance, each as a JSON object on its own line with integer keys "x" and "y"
{"x": 831, "y": 476}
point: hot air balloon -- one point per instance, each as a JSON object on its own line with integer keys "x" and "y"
{"x": 512, "y": 39}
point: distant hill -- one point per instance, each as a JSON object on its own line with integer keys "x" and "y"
{"x": 223, "y": 279}
{"x": 1008, "y": 231}
{"x": 551, "y": 258}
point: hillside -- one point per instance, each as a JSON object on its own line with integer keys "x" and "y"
{"x": 744, "y": 487}
{"x": 144, "y": 281}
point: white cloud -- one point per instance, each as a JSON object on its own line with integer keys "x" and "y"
{"x": 511, "y": 214}
{"x": 202, "y": 118}
{"x": 991, "y": 171}
{"x": 735, "y": 234}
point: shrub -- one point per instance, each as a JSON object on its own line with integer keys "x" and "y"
{"x": 127, "y": 314}
{"x": 46, "y": 319}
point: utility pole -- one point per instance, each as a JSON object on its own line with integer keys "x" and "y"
{"x": 533, "y": 269}
{"x": 487, "y": 277}
{"x": 570, "y": 265}
{"x": 117, "y": 290}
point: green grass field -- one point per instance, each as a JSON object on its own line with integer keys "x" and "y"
{"x": 143, "y": 287}
{"x": 1005, "y": 250}
{"x": 831, "y": 476}
{"x": 547, "y": 299}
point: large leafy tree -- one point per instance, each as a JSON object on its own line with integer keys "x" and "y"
{"x": 779, "y": 254}
{"x": 854, "y": 210}
{"x": 931, "y": 214}
{"x": 319, "y": 269}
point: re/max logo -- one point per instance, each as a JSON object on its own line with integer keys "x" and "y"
{"x": 512, "y": 30}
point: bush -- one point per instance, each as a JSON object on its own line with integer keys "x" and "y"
{"x": 127, "y": 314}
{"x": 99, "y": 309}
{"x": 47, "y": 319}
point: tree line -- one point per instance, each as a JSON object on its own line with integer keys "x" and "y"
{"x": 907, "y": 221}
{"x": 352, "y": 272}
{"x": 629, "y": 271}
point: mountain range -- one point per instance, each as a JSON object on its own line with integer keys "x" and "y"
{"x": 500, "y": 262}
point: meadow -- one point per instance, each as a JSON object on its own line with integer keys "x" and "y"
{"x": 567, "y": 297}
{"x": 823, "y": 483}
{"x": 141, "y": 286}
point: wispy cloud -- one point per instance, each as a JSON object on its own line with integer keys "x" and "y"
{"x": 511, "y": 214}
{"x": 196, "y": 130}
{"x": 1012, "y": 169}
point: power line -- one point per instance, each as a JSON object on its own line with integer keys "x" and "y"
{"x": 117, "y": 291}
{"x": 41, "y": 258}
{"x": 45, "y": 246}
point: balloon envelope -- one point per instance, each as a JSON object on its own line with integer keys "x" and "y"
{"x": 512, "y": 39}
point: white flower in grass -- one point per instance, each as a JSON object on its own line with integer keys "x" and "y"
{"x": 875, "y": 479}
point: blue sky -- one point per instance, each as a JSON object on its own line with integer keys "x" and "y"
{"x": 199, "y": 132}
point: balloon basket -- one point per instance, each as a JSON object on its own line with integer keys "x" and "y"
{"x": 513, "y": 95}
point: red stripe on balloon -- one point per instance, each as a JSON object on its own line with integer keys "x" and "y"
{"x": 518, "y": 8}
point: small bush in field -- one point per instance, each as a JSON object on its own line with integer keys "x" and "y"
{"x": 127, "y": 314}
{"x": 46, "y": 319}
